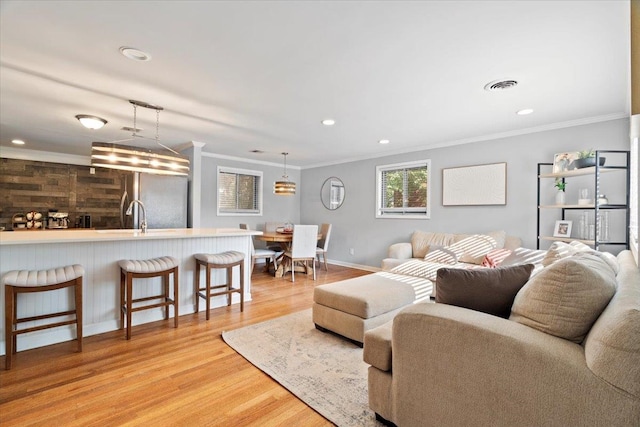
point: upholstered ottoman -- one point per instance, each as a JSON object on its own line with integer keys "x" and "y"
{"x": 352, "y": 307}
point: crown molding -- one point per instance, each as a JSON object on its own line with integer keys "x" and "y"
{"x": 44, "y": 156}
{"x": 489, "y": 137}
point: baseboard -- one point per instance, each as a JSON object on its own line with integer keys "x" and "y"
{"x": 356, "y": 266}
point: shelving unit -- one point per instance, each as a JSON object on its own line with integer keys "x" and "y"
{"x": 599, "y": 173}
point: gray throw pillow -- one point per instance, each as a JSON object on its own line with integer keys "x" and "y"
{"x": 491, "y": 290}
{"x": 566, "y": 298}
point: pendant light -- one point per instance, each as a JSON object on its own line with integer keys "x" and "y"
{"x": 284, "y": 187}
{"x": 123, "y": 157}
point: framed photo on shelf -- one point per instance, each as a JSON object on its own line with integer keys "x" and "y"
{"x": 563, "y": 162}
{"x": 562, "y": 229}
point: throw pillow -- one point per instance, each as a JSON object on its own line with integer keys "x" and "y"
{"x": 560, "y": 250}
{"x": 421, "y": 241}
{"x": 476, "y": 247}
{"x": 566, "y": 298}
{"x": 491, "y": 291}
{"x": 495, "y": 257}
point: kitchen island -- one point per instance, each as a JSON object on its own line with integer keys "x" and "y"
{"x": 99, "y": 251}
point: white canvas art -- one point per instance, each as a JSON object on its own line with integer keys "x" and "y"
{"x": 475, "y": 185}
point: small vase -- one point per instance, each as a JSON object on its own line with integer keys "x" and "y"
{"x": 560, "y": 198}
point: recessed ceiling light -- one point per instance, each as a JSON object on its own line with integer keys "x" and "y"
{"x": 383, "y": 141}
{"x": 328, "y": 122}
{"x": 91, "y": 122}
{"x": 135, "y": 54}
{"x": 17, "y": 141}
{"x": 524, "y": 112}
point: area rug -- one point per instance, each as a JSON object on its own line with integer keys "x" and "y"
{"x": 324, "y": 371}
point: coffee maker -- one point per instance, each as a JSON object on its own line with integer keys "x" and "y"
{"x": 57, "y": 219}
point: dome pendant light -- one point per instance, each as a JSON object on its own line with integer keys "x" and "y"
{"x": 284, "y": 187}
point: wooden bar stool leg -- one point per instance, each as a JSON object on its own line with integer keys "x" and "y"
{"x": 208, "y": 290}
{"x": 10, "y": 307}
{"x": 176, "y": 303}
{"x": 229, "y": 284}
{"x": 122, "y": 300}
{"x": 197, "y": 286}
{"x": 129, "y": 303}
{"x": 78, "y": 294}
{"x": 165, "y": 293}
{"x": 242, "y": 286}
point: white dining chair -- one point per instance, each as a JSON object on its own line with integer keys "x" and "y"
{"x": 265, "y": 254}
{"x": 303, "y": 247}
{"x": 323, "y": 244}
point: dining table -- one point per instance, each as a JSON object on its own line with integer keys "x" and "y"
{"x": 284, "y": 239}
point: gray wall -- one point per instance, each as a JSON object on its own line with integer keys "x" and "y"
{"x": 355, "y": 225}
{"x": 275, "y": 208}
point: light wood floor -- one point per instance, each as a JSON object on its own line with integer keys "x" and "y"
{"x": 163, "y": 376}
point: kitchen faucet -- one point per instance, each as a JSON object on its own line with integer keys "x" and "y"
{"x": 143, "y": 223}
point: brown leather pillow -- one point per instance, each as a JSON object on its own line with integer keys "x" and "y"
{"x": 489, "y": 290}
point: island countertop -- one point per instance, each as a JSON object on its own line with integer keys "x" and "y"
{"x": 83, "y": 235}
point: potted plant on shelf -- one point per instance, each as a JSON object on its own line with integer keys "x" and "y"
{"x": 560, "y": 184}
{"x": 586, "y": 159}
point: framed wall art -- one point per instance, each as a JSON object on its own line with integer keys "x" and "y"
{"x": 475, "y": 185}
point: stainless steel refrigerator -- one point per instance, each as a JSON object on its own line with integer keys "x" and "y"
{"x": 164, "y": 198}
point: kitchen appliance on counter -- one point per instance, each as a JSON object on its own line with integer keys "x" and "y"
{"x": 57, "y": 219}
{"x": 164, "y": 198}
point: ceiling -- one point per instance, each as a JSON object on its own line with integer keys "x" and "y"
{"x": 241, "y": 76}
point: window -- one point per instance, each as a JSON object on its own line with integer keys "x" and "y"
{"x": 239, "y": 192}
{"x": 403, "y": 190}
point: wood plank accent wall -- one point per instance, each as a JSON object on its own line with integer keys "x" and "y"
{"x": 39, "y": 186}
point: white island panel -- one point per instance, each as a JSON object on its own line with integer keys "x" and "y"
{"x": 99, "y": 252}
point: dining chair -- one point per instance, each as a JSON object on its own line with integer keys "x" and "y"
{"x": 267, "y": 254}
{"x": 303, "y": 247}
{"x": 272, "y": 227}
{"x": 323, "y": 244}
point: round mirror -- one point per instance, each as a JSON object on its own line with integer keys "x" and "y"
{"x": 332, "y": 193}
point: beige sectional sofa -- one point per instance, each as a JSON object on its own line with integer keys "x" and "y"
{"x": 569, "y": 355}
{"x": 423, "y": 242}
{"x": 351, "y": 307}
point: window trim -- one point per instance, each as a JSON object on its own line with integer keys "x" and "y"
{"x": 407, "y": 214}
{"x": 238, "y": 171}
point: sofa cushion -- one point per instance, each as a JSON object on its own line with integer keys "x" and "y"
{"x": 565, "y": 298}
{"x": 561, "y": 250}
{"x": 476, "y": 246}
{"x": 612, "y": 347}
{"x": 421, "y": 241}
{"x": 442, "y": 255}
{"x": 491, "y": 290}
{"x": 366, "y": 296}
{"x": 377, "y": 347}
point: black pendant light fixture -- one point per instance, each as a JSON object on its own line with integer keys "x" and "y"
{"x": 123, "y": 157}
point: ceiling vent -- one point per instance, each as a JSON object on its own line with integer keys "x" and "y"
{"x": 500, "y": 85}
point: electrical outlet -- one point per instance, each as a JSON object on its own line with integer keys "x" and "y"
{"x": 92, "y": 171}
{"x": 352, "y": 251}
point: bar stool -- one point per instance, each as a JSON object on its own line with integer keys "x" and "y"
{"x": 27, "y": 281}
{"x": 140, "y": 269}
{"x": 226, "y": 260}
